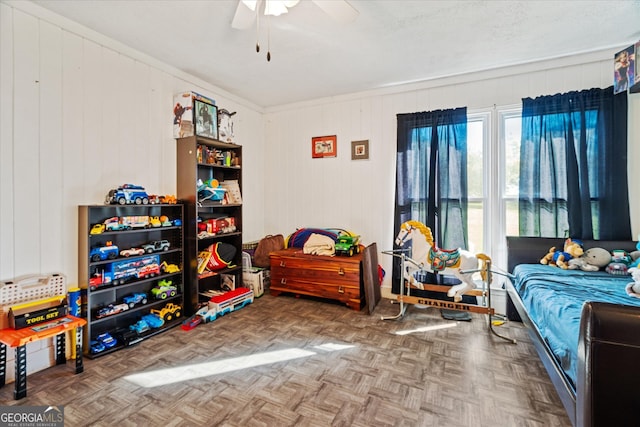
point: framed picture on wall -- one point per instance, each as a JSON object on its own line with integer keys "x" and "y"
{"x": 206, "y": 119}
{"x": 360, "y": 150}
{"x": 324, "y": 146}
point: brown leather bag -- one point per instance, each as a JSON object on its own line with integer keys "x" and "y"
{"x": 266, "y": 245}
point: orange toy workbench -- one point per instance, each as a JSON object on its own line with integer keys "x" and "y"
{"x": 19, "y": 338}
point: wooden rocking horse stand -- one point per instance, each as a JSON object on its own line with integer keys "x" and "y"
{"x": 462, "y": 264}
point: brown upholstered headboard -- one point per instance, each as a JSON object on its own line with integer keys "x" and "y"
{"x": 529, "y": 250}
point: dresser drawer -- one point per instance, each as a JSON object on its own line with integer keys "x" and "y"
{"x": 337, "y": 278}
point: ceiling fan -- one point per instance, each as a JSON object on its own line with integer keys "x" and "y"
{"x": 249, "y": 11}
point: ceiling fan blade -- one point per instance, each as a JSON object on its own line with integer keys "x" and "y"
{"x": 244, "y": 17}
{"x": 339, "y": 10}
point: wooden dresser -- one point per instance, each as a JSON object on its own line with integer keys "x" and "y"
{"x": 338, "y": 277}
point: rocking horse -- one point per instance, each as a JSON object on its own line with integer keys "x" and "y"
{"x": 425, "y": 255}
{"x": 458, "y": 262}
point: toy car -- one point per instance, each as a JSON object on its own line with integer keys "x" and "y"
{"x": 156, "y": 246}
{"x": 168, "y": 199}
{"x": 153, "y": 320}
{"x": 102, "y": 253}
{"x": 150, "y": 270}
{"x": 127, "y": 336}
{"x": 164, "y": 289}
{"x": 140, "y": 326}
{"x": 110, "y": 310}
{"x": 135, "y": 298}
{"x": 131, "y": 252}
{"x": 97, "y": 229}
{"x": 106, "y": 340}
{"x": 96, "y": 347}
{"x": 191, "y": 322}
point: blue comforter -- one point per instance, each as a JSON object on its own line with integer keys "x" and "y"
{"x": 554, "y": 298}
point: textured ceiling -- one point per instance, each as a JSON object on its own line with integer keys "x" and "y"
{"x": 391, "y": 42}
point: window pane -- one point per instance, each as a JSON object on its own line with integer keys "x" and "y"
{"x": 512, "y": 135}
{"x": 475, "y": 184}
{"x": 475, "y": 226}
{"x": 475, "y": 140}
{"x": 511, "y": 128}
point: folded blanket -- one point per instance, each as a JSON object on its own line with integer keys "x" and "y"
{"x": 317, "y": 244}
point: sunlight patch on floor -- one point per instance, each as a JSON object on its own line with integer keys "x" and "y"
{"x": 426, "y": 328}
{"x": 200, "y": 370}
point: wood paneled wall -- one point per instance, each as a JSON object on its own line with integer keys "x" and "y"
{"x": 359, "y": 195}
{"x": 80, "y": 114}
{"x": 78, "y": 117}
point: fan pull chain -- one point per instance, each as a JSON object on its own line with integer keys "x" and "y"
{"x": 268, "y": 38}
{"x": 257, "y": 29}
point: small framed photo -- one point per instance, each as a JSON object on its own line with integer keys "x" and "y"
{"x": 206, "y": 118}
{"x": 324, "y": 146}
{"x": 360, "y": 150}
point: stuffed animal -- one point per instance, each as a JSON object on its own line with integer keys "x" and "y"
{"x": 572, "y": 249}
{"x": 591, "y": 260}
{"x": 620, "y": 261}
{"x": 633, "y": 288}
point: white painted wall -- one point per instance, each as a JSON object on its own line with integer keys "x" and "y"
{"x": 80, "y": 114}
{"x": 359, "y": 195}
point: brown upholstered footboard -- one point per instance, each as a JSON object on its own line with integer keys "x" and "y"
{"x": 608, "y": 374}
{"x": 609, "y": 348}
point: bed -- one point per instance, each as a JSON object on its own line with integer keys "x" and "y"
{"x": 585, "y": 328}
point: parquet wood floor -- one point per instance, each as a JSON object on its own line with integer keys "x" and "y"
{"x": 344, "y": 368}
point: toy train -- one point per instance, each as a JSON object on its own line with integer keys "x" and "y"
{"x": 219, "y": 305}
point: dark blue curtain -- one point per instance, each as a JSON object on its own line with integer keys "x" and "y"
{"x": 573, "y": 166}
{"x": 431, "y": 177}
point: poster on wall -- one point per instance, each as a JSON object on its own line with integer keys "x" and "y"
{"x": 623, "y": 69}
{"x": 636, "y": 86}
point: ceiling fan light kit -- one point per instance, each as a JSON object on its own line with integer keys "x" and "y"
{"x": 248, "y": 10}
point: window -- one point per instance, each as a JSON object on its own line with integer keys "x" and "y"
{"x": 510, "y": 122}
{"x": 477, "y": 139}
{"x": 493, "y": 177}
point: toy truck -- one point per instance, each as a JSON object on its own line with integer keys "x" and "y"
{"x": 103, "y": 253}
{"x": 164, "y": 289}
{"x": 114, "y": 224}
{"x": 156, "y": 246}
{"x": 347, "y": 245}
{"x": 127, "y": 194}
{"x": 219, "y": 306}
{"x": 168, "y": 312}
{"x": 137, "y": 221}
{"x": 119, "y": 272}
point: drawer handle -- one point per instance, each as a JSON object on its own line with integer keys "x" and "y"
{"x": 341, "y": 271}
{"x": 340, "y": 290}
{"x": 283, "y": 281}
{"x": 283, "y": 264}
